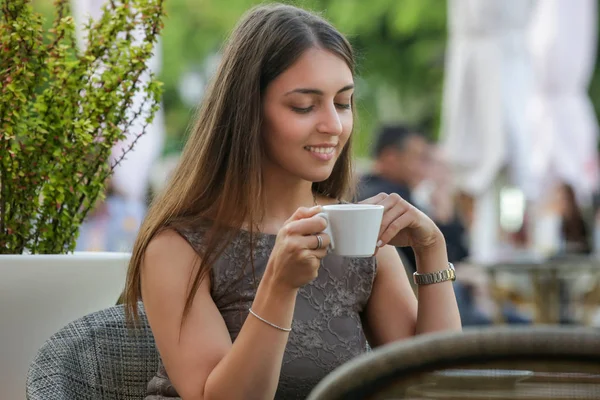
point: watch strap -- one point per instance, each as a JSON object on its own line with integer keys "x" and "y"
{"x": 448, "y": 274}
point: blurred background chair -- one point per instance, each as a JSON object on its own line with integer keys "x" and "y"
{"x": 490, "y": 363}
{"x": 95, "y": 357}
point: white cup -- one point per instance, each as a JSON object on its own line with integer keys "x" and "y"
{"x": 353, "y": 228}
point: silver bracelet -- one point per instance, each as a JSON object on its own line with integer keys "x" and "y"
{"x": 269, "y": 323}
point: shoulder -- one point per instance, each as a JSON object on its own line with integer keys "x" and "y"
{"x": 167, "y": 265}
{"x": 190, "y": 344}
{"x": 166, "y": 249}
{"x": 167, "y": 240}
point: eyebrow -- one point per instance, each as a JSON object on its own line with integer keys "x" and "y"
{"x": 317, "y": 91}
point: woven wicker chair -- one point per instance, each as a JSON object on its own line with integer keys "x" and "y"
{"x": 95, "y": 357}
{"x": 562, "y": 363}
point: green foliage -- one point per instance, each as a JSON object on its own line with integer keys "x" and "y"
{"x": 400, "y": 45}
{"x": 62, "y": 111}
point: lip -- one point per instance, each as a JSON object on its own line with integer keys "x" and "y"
{"x": 322, "y": 156}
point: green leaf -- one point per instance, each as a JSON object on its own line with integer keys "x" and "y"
{"x": 49, "y": 129}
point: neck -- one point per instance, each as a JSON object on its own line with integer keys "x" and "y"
{"x": 283, "y": 195}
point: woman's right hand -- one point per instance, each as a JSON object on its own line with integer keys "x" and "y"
{"x": 295, "y": 259}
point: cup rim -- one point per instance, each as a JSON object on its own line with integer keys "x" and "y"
{"x": 353, "y": 207}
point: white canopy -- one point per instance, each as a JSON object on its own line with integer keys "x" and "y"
{"x": 562, "y": 123}
{"x": 486, "y": 89}
{"x": 516, "y": 95}
{"x": 487, "y": 83}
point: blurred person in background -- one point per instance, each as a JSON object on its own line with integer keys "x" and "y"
{"x": 407, "y": 164}
{"x": 400, "y": 162}
{"x": 399, "y": 166}
{"x": 575, "y": 232}
{"x": 436, "y": 196}
{"x": 576, "y": 239}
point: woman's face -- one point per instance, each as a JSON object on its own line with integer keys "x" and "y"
{"x": 308, "y": 115}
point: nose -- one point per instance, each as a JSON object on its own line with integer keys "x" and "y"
{"x": 329, "y": 121}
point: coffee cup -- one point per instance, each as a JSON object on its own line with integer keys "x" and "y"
{"x": 353, "y": 228}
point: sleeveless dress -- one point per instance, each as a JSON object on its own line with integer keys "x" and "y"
{"x": 326, "y": 329}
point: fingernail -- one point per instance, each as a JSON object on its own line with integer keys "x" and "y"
{"x": 379, "y": 243}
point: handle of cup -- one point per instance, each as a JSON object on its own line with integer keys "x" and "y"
{"x": 327, "y": 230}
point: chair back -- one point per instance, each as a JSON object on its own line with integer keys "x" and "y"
{"x": 97, "y": 356}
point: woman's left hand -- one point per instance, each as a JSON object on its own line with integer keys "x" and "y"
{"x": 404, "y": 225}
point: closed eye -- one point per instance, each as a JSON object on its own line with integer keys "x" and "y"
{"x": 302, "y": 110}
{"x": 306, "y": 110}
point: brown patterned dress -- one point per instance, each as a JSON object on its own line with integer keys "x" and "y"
{"x": 327, "y": 329}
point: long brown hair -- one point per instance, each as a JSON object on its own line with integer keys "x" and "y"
{"x": 219, "y": 175}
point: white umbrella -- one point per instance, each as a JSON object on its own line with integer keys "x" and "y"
{"x": 485, "y": 95}
{"x": 486, "y": 89}
{"x": 563, "y": 126}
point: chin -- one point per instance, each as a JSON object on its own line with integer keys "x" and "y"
{"x": 310, "y": 173}
{"x": 317, "y": 176}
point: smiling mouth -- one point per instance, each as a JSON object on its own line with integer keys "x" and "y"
{"x": 320, "y": 150}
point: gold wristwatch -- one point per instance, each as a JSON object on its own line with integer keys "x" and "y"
{"x": 436, "y": 277}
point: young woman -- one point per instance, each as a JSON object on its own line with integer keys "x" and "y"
{"x": 231, "y": 262}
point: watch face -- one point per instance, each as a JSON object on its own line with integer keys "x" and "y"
{"x": 451, "y": 266}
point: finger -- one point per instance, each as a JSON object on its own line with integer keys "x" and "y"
{"x": 393, "y": 207}
{"x": 375, "y": 199}
{"x": 320, "y": 254}
{"x": 316, "y": 262}
{"x": 394, "y": 227}
{"x": 307, "y": 226}
{"x": 317, "y": 254}
{"x": 304, "y": 212}
{"x": 310, "y": 242}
